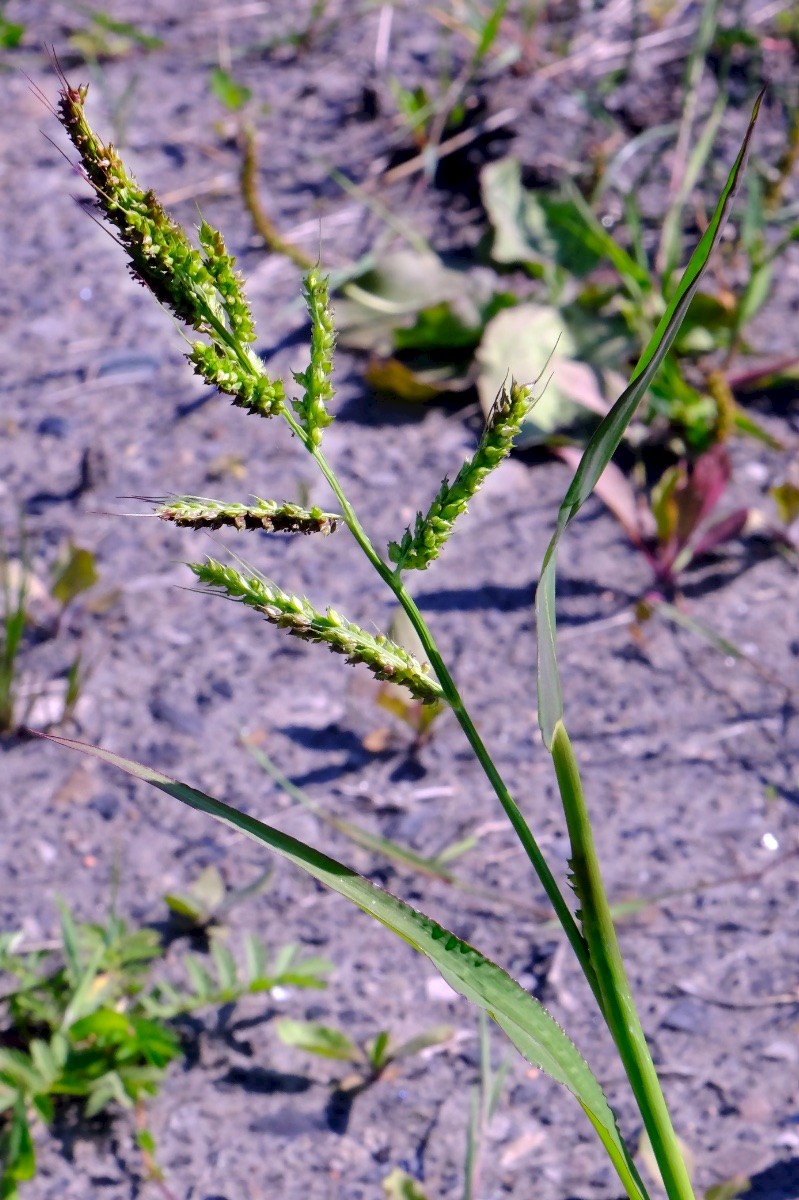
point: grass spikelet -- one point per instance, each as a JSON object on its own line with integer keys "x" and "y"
{"x": 421, "y": 546}
{"x": 315, "y": 379}
{"x": 384, "y": 658}
{"x": 196, "y": 512}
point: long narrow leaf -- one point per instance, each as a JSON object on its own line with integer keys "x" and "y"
{"x": 528, "y": 1025}
{"x": 606, "y": 438}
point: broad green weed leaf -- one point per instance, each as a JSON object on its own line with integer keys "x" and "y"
{"x": 105, "y": 1025}
{"x": 519, "y": 224}
{"x": 437, "y": 1035}
{"x": 76, "y": 573}
{"x": 605, "y": 442}
{"x": 318, "y": 1039}
{"x": 233, "y": 95}
{"x": 521, "y": 343}
{"x": 399, "y": 1185}
{"x": 225, "y": 966}
{"x": 394, "y": 289}
{"x": 547, "y": 232}
{"x": 20, "y": 1154}
{"x": 443, "y": 327}
{"x": 529, "y": 1026}
{"x": 786, "y": 497}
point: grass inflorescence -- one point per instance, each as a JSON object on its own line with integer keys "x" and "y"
{"x": 384, "y": 658}
{"x": 421, "y": 546}
{"x": 196, "y": 512}
{"x": 201, "y": 288}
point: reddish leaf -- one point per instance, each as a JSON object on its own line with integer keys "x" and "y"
{"x": 723, "y": 530}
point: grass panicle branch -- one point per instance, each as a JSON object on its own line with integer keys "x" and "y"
{"x": 243, "y": 379}
{"x": 197, "y": 512}
{"x": 384, "y": 658}
{"x": 422, "y": 546}
{"x": 311, "y": 409}
{"x": 199, "y": 286}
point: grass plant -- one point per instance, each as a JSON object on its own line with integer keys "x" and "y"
{"x": 200, "y": 287}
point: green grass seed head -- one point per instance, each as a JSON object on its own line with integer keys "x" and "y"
{"x": 197, "y": 512}
{"x": 422, "y": 546}
{"x": 385, "y": 659}
{"x": 315, "y": 379}
{"x": 199, "y": 286}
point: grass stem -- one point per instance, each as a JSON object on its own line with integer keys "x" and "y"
{"x": 616, "y": 1001}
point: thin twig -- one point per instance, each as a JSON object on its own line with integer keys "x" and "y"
{"x": 263, "y": 223}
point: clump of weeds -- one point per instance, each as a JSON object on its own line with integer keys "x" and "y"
{"x": 91, "y": 1022}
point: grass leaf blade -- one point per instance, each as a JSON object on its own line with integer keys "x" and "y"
{"x": 607, "y": 437}
{"x": 528, "y": 1025}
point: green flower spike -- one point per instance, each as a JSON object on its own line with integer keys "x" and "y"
{"x": 196, "y": 512}
{"x": 384, "y": 658}
{"x": 315, "y": 379}
{"x": 421, "y": 546}
{"x": 198, "y": 285}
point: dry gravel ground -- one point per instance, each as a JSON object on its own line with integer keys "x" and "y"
{"x": 690, "y": 759}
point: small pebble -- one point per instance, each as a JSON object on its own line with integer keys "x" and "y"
{"x": 105, "y": 805}
{"x": 53, "y": 426}
{"x": 182, "y": 720}
{"x": 438, "y": 989}
{"x": 687, "y": 1016}
{"x": 781, "y": 1051}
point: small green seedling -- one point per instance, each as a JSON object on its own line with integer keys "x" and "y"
{"x": 28, "y": 606}
{"x": 103, "y": 37}
{"x": 371, "y": 1059}
{"x": 12, "y": 628}
{"x": 11, "y": 32}
{"x": 399, "y": 1185}
{"x": 229, "y": 91}
{"x": 204, "y": 906}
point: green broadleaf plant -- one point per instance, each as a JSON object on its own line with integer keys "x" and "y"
{"x": 201, "y": 288}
